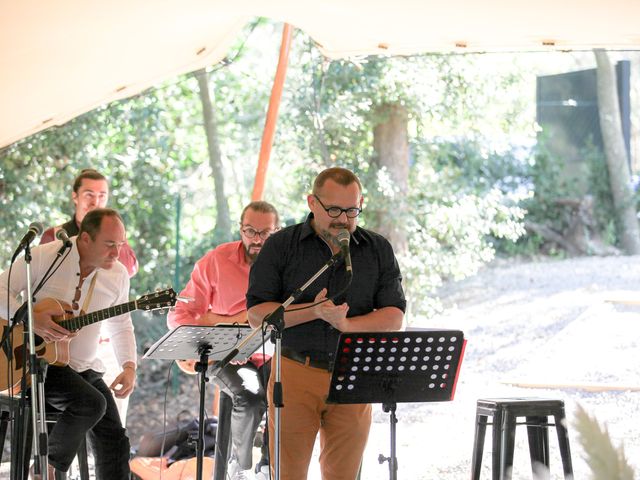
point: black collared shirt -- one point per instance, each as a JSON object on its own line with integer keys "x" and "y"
{"x": 71, "y": 227}
{"x": 290, "y": 257}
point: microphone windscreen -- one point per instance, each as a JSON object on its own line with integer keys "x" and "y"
{"x": 37, "y": 227}
{"x": 343, "y": 236}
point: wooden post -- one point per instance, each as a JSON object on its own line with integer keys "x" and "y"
{"x": 272, "y": 114}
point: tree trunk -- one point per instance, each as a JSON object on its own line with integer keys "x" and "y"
{"x": 391, "y": 147}
{"x": 616, "y": 154}
{"x": 222, "y": 229}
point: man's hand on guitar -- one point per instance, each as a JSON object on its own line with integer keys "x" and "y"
{"x": 48, "y": 330}
{"x": 124, "y": 383}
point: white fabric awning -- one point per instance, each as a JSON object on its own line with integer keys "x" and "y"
{"x": 59, "y": 59}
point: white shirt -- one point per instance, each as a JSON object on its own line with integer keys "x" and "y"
{"x": 111, "y": 289}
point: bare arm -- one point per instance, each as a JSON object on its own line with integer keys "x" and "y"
{"x": 213, "y": 319}
{"x": 125, "y": 382}
{"x": 291, "y": 319}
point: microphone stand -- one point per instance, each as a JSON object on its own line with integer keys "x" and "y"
{"x": 40, "y": 438}
{"x": 276, "y": 320}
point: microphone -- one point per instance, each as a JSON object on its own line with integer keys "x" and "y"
{"x": 343, "y": 240}
{"x": 61, "y": 234}
{"x": 35, "y": 229}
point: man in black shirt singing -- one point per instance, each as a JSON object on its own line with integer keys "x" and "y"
{"x": 374, "y": 301}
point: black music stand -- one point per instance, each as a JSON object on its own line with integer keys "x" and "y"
{"x": 203, "y": 343}
{"x": 420, "y": 365}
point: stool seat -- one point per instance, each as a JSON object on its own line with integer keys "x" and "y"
{"x": 504, "y": 413}
{"x": 20, "y": 454}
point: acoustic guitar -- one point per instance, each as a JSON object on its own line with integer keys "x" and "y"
{"x": 12, "y": 353}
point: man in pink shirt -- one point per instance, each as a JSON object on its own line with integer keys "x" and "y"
{"x": 218, "y": 286}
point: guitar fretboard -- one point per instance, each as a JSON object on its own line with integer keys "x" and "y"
{"x": 76, "y": 323}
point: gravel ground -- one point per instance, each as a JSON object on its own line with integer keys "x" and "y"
{"x": 545, "y": 323}
{"x": 539, "y": 323}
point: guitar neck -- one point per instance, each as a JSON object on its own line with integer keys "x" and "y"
{"x": 76, "y": 323}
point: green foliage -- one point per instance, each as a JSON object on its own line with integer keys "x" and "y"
{"x": 124, "y": 138}
{"x": 132, "y": 143}
{"x": 599, "y": 187}
{"x": 456, "y": 218}
{"x": 550, "y": 183}
{"x": 459, "y": 196}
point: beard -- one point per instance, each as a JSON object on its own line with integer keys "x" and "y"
{"x": 330, "y": 233}
{"x": 251, "y": 256}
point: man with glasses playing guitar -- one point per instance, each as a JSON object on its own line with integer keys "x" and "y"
{"x": 218, "y": 285}
{"x": 86, "y": 278}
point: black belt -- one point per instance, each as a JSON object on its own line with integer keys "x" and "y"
{"x": 306, "y": 360}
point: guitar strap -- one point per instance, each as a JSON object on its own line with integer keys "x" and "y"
{"x": 87, "y": 299}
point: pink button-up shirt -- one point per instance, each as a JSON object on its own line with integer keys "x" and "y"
{"x": 218, "y": 284}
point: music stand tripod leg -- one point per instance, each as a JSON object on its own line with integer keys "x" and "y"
{"x": 392, "y": 458}
{"x": 201, "y": 367}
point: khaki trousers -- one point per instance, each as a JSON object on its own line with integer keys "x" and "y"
{"x": 344, "y": 429}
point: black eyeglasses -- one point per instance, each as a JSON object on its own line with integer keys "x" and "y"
{"x": 335, "y": 212}
{"x": 252, "y": 232}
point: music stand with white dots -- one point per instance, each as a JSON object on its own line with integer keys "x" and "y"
{"x": 420, "y": 365}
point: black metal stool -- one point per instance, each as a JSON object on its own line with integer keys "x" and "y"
{"x": 223, "y": 436}
{"x": 20, "y": 456}
{"x": 505, "y": 412}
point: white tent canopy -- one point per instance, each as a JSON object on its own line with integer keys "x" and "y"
{"x": 62, "y": 58}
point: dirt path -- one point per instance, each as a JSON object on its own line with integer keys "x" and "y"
{"x": 542, "y": 323}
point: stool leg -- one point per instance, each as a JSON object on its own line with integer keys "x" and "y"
{"x": 563, "y": 442}
{"x": 223, "y": 437}
{"x": 508, "y": 444}
{"x": 496, "y": 445}
{"x": 478, "y": 446}
{"x": 538, "y": 434}
{"x": 83, "y": 465}
{"x": 4, "y": 423}
{"x": 21, "y": 456}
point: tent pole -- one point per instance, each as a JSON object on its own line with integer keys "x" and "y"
{"x": 272, "y": 114}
